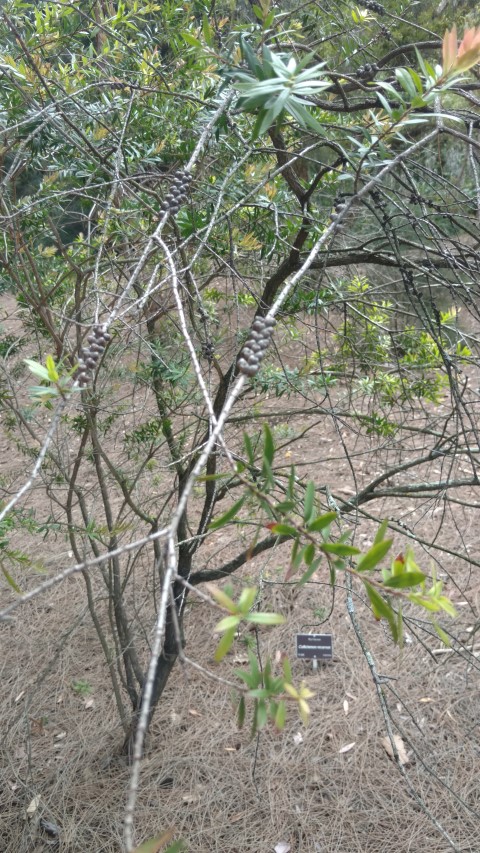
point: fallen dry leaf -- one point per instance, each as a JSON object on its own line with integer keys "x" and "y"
{"x": 345, "y": 707}
{"x": 89, "y": 704}
{"x": 298, "y": 739}
{"x": 194, "y": 713}
{"x": 403, "y": 757}
{"x": 189, "y": 798}
{"x": 282, "y": 847}
{"x": 154, "y": 845}
{"x": 33, "y": 805}
{"x": 347, "y": 747}
{"x": 426, "y": 699}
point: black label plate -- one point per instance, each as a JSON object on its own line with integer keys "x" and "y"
{"x": 314, "y": 646}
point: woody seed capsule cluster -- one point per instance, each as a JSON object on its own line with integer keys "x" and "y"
{"x": 251, "y": 355}
{"x": 178, "y": 193}
{"x": 373, "y": 6}
{"x": 89, "y": 356}
{"x": 339, "y": 205}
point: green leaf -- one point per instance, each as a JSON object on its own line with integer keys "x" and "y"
{"x": 422, "y": 600}
{"x": 446, "y": 605}
{"x": 268, "y": 445}
{"x": 37, "y": 369}
{"x": 11, "y": 582}
{"x": 247, "y": 599}
{"x": 417, "y": 80}
{"x": 291, "y": 483}
{"x": 386, "y": 106}
{"x": 251, "y": 679}
{"x": 374, "y": 555}
{"x": 281, "y": 715}
{"x": 52, "y": 370}
{"x": 225, "y": 645}
{"x": 259, "y": 693}
{"x": 207, "y": 31}
{"x": 309, "y": 554}
{"x": 339, "y": 549}
{"x": 222, "y": 598}
{"x": 284, "y": 507}
{"x": 189, "y": 39}
{"x": 406, "y": 82}
{"x": 227, "y": 516}
{"x": 154, "y": 845}
{"x": 310, "y": 571}
{"x": 441, "y": 633}
{"x": 241, "y": 712}
{"x": 287, "y": 670}
{"x": 227, "y": 623}
{"x": 380, "y": 535}
{"x": 267, "y": 474}
{"x": 250, "y": 58}
{"x": 405, "y": 580}
{"x": 266, "y": 618}
{"x": 308, "y": 502}
{"x": 284, "y": 530}
{"x": 249, "y": 448}
{"x": 321, "y": 522}
{"x": 381, "y": 608}
{"x": 261, "y": 716}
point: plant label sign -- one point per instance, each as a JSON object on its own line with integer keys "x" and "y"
{"x": 314, "y": 646}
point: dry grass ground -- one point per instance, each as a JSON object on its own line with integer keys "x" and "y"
{"x": 221, "y": 790}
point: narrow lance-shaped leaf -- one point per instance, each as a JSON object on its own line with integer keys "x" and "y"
{"x": 37, "y": 369}
{"x": 227, "y": 516}
{"x": 380, "y": 534}
{"x": 249, "y": 448}
{"x": 321, "y": 522}
{"x": 241, "y": 712}
{"x": 339, "y": 549}
{"x": 283, "y": 530}
{"x": 227, "y": 624}
{"x": 281, "y": 715}
{"x": 374, "y": 555}
{"x": 225, "y": 645}
{"x": 266, "y": 618}
{"x": 51, "y": 369}
{"x": 310, "y": 572}
{"x": 268, "y": 445}
{"x": 222, "y": 598}
{"x": 405, "y": 580}
{"x": 309, "y": 502}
